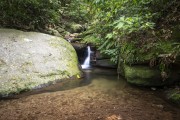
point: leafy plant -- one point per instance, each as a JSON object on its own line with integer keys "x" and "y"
{"x": 29, "y": 14}
{"x": 130, "y": 29}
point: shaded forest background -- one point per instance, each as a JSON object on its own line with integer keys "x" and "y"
{"x": 124, "y": 30}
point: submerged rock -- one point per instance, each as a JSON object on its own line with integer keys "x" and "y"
{"x": 30, "y": 59}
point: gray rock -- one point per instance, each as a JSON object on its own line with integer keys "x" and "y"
{"x": 30, "y": 59}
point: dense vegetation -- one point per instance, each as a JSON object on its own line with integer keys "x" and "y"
{"x": 124, "y": 30}
{"x": 28, "y": 14}
{"x": 35, "y": 14}
{"x": 136, "y": 31}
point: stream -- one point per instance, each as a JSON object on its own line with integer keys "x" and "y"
{"x": 98, "y": 96}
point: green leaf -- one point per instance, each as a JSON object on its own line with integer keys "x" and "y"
{"x": 119, "y": 25}
{"x": 109, "y": 36}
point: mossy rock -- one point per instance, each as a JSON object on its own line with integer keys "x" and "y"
{"x": 146, "y": 76}
{"x": 76, "y": 28}
{"x": 30, "y": 59}
{"x": 60, "y": 30}
{"x": 53, "y": 32}
{"x": 174, "y": 96}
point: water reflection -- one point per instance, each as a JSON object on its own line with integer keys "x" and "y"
{"x": 104, "y": 78}
{"x": 98, "y": 77}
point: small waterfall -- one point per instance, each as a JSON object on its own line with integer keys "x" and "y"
{"x": 86, "y": 63}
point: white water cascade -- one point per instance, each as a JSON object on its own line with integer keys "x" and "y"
{"x": 86, "y": 63}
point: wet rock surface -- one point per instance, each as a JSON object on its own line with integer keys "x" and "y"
{"x": 29, "y": 59}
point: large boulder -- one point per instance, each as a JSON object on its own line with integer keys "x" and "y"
{"x": 30, "y": 59}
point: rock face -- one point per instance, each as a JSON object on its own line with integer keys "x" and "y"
{"x": 29, "y": 60}
{"x": 81, "y": 50}
{"x": 105, "y": 63}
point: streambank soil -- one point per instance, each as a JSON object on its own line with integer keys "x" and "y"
{"x": 100, "y": 100}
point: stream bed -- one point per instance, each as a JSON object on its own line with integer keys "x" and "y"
{"x": 98, "y": 96}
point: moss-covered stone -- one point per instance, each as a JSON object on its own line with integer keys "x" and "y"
{"x": 146, "y": 76}
{"x": 60, "y": 30}
{"x": 141, "y": 75}
{"x": 76, "y": 28}
{"x": 174, "y": 96}
{"x": 30, "y": 59}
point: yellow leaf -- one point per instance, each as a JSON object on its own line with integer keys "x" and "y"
{"x": 78, "y": 76}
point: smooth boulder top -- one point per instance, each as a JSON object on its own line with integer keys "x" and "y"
{"x": 30, "y": 59}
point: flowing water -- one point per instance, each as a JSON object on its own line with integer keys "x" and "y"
{"x": 86, "y": 63}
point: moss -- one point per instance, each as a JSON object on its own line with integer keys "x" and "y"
{"x": 76, "y": 27}
{"x": 142, "y": 76}
{"x": 146, "y": 76}
{"x": 140, "y": 71}
{"x": 25, "y": 65}
{"x": 59, "y": 43}
{"x": 15, "y": 86}
{"x": 2, "y": 62}
{"x": 60, "y": 30}
{"x": 30, "y": 75}
{"x": 58, "y": 72}
{"x": 139, "y": 82}
{"x": 174, "y": 96}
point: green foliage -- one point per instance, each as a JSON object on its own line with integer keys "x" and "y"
{"x": 128, "y": 25}
{"x": 35, "y": 14}
{"x": 91, "y": 39}
{"x": 174, "y": 96}
{"x": 29, "y": 14}
{"x": 74, "y": 10}
{"x": 127, "y": 28}
{"x": 117, "y": 20}
{"x": 128, "y": 53}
